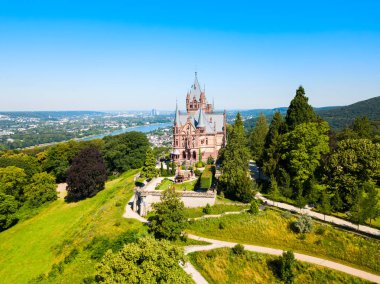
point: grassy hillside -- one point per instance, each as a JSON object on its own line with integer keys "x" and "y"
{"x": 32, "y": 247}
{"x": 222, "y": 266}
{"x": 341, "y": 117}
{"x": 272, "y": 229}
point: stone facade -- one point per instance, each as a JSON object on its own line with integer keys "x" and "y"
{"x": 144, "y": 199}
{"x": 199, "y": 131}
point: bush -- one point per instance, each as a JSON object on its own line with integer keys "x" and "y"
{"x": 207, "y": 209}
{"x": 197, "y": 173}
{"x": 71, "y": 256}
{"x": 254, "y": 207}
{"x": 206, "y": 178}
{"x": 210, "y": 160}
{"x": 222, "y": 225}
{"x": 320, "y": 230}
{"x": 303, "y": 225}
{"x": 287, "y": 262}
{"x": 238, "y": 249}
{"x": 200, "y": 164}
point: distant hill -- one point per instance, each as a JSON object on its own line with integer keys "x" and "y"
{"x": 340, "y": 117}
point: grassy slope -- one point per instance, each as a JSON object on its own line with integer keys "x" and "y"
{"x": 30, "y": 248}
{"x": 271, "y": 229}
{"x": 221, "y": 266}
{"x": 166, "y": 184}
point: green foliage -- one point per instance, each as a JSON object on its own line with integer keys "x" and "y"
{"x": 87, "y": 175}
{"x": 210, "y": 160}
{"x": 149, "y": 170}
{"x": 207, "y": 209}
{"x": 362, "y": 127}
{"x": 254, "y": 207}
{"x": 12, "y": 182}
{"x": 274, "y": 192}
{"x": 287, "y": 262}
{"x": 299, "y": 110}
{"x": 29, "y": 164}
{"x": 169, "y": 219}
{"x": 8, "y": 208}
{"x": 257, "y": 138}
{"x": 303, "y": 148}
{"x": 351, "y": 164}
{"x": 238, "y": 249}
{"x": 341, "y": 117}
{"x": 147, "y": 261}
{"x": 325, "y": 206}
{"x": 197, "y": 173}
{"x": 41, "y": 189}
{"x": 125, "y": 151}
{"x": 207, "y": 177}
{"x": 303, "y": 225}
{"x": 235, "y": 180}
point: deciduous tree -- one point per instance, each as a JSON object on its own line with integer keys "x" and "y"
{"x": 41, "y": 189}
{"x": 87, "y": 175}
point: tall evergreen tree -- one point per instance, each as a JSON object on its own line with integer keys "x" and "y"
{"x": 235, "y": 180}
{"x": 149, "y": 170}
{"x": 299, "y": 110}
{"x": 257, "y": 139}
{"x": 272, "y": 145}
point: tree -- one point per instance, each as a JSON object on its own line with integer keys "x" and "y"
{"x": 235, "y": 180}
{"x": 271, "y": 155}
{"x": 29, "y": 164}
{"x": 354, "y": 162}
{"x": 254, "y": 207}
{"x": 41, "y": 189}
{"x": 8, "y": 208}
{"x": 169, "y": 219}
{"x": 13, "y": 181}
{"x": 303, "y": 148}
{"x": 324, "y": 205}
{"x": 149, "y": 170}
{"x": 371, "y": 201}
{"x": 273, "y": 192}
{"x": 147, "y": 261}
{"x": 362, "y": 127}
{"x": 287, "y": 262}
{"x": 299, "y": 110}
{"x": 125, "y": 151}
{"x": 358, "y": 211}
{"x": 257, "y": 139}
{"x": 87, "y": 175}
{"x": 285, "y": 184}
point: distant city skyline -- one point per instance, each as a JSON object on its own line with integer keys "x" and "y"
{"x": 142, "y": 55}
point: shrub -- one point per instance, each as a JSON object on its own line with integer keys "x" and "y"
{"x": 254, "y": 207}
{"x": 287, "y": 262}
{"x": 200, "y": 164}
{"x": 197, "y": 173}
{"x": 303, "y": 225}
{"x": 207, "y": 209}
{"x": 210, "y": 160}
{"x": 222, "y": 225}
{"x": 320, "y": 230}
{"x": 286, "y": 215}
{"x": 71, "y": 256}
{"x": 238, "y": 249}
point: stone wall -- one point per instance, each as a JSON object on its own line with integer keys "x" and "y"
{"x": 145, "y": 198}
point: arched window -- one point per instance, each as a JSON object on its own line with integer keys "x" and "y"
{"x": 184, "y": 154}
{"x": 206, "y": 141}
{"x": 194, "y": 155}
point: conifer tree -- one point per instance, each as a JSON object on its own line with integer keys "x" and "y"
{"x": 235, "y": 180}
{"x": 299, "y": 110}
{"x": 257, "y": 139}
{"x": 149, "y": 170}
{"x": 274, "y": 192}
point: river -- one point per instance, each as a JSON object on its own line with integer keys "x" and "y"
{"x": 142, "y": 128}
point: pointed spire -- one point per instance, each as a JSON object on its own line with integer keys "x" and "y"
{"x": 176, "y": 119}
{"x": 201, "y": 119}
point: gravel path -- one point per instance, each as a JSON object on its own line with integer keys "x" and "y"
{"x": 328, "y": 218}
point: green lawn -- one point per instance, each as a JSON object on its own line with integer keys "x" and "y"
{"x": 222, "y": 266}
{"x": 166, "y": 184}
{"x": 215, "y": 209}
{"x": 271, "y": 228}
{"x": 31, "y": 247}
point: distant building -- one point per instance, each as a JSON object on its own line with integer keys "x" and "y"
{"x": 199, "y": 131}
{"x": 154, "y": 112}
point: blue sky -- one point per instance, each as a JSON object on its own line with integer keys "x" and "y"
{"x": 120, "y": 55}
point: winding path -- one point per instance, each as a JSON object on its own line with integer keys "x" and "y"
{"x": 198, "y": 278}
{"x": 301, "y": 257}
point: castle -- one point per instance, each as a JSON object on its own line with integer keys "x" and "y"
{"x": 200, "y": 132}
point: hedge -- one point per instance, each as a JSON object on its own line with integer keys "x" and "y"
{"x": 206, "y": 178}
